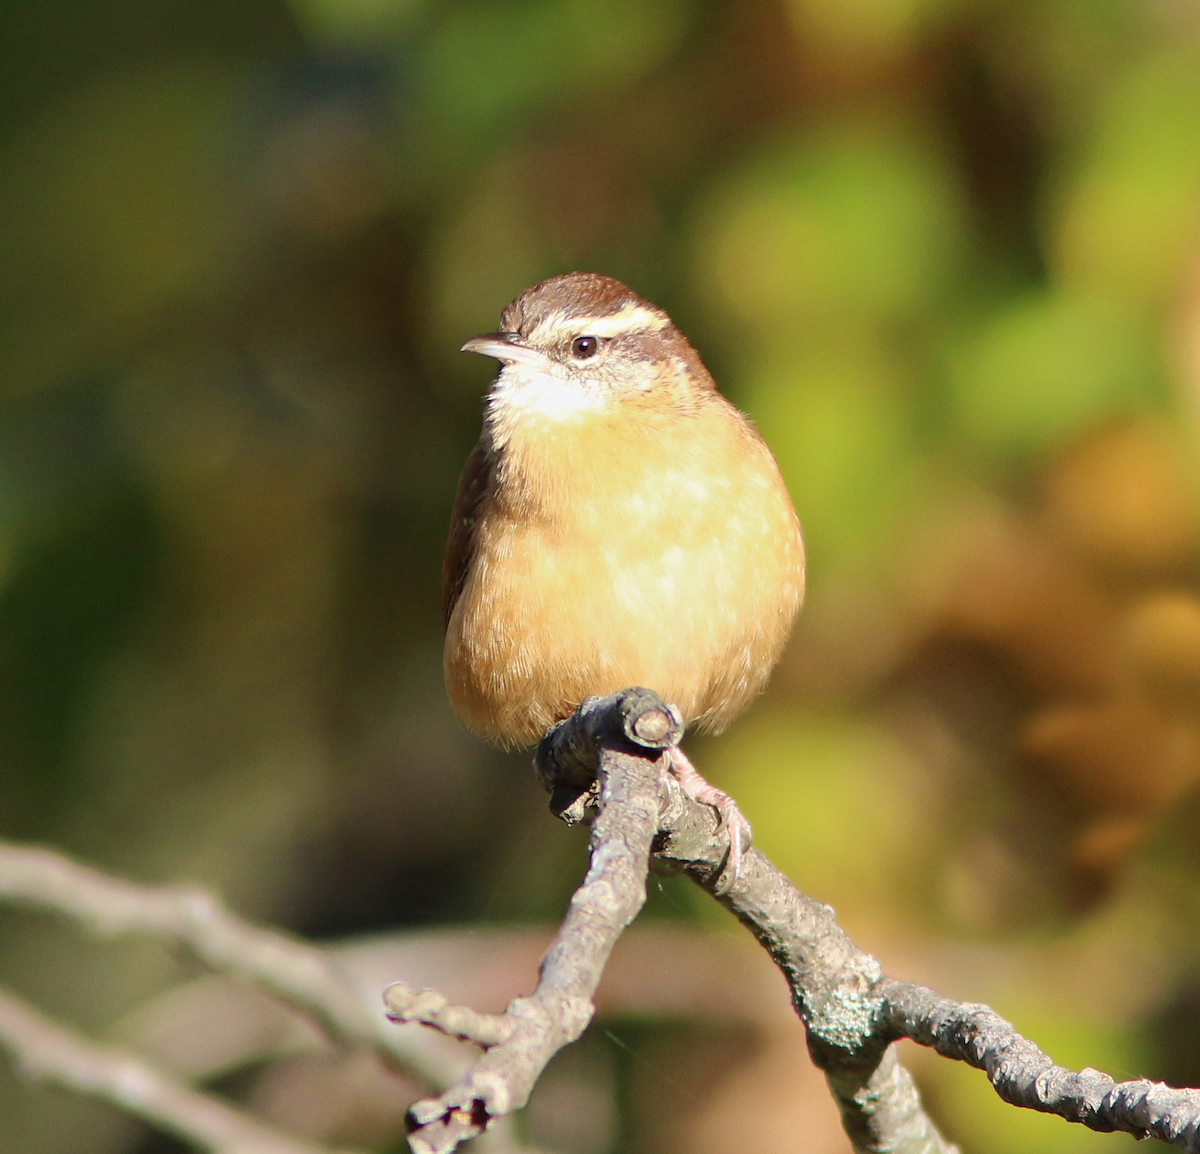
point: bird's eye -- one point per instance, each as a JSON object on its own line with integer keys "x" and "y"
{"x": 584, "y": 348}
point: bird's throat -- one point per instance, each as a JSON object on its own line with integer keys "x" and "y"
{"x": 525, "y": 401}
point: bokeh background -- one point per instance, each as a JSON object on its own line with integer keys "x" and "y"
{"x": 946, "y": 253}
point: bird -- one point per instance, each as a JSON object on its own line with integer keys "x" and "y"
{"x": 619, "y": 523}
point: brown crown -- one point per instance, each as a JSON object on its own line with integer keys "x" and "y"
{"x": 574, "y": 294}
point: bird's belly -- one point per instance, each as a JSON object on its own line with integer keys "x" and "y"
{"x": 695, "y": 607}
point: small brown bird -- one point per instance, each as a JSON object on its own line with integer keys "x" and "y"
{"x": 619, "y": 523}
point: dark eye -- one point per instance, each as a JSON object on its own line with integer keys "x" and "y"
{"x": 584, "y": 348}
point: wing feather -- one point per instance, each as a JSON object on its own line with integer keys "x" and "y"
{"x": 473, "y": 487}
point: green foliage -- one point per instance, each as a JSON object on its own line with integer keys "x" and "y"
{"x": 836, "y": 804}
{"x": 485, "y": 65}
{"x": 851, "y": 225}
{"x": 934, "y": 248}
{"x": 1048, "y": 365}
{"x": 1125, "y": 222}
{"x": 73, "y": 594}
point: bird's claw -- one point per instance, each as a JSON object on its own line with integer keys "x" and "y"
{"x": 731, "y": 818}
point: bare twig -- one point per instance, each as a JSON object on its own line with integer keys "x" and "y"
{"x": 300, "y": 974}
{"x": 45, "y": 1050}
{"x": 630, "y": 739}
{"x": 1024, "y": 1076}
{"x": 835, "y": 988}
{"x": 607, "y": 760}
{"x": 852, "y": 1013}
{"x": 430, "y": 1008}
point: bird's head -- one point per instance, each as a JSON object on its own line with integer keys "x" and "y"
{"x": 582, "y": 342}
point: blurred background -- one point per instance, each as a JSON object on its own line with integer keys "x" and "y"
{"x": 946, "y": 253}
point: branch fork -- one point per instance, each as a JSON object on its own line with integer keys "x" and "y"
{"x": 607, "y": 763}
{"x": 626, "y": 739}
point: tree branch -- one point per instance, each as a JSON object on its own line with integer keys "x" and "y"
{"x": 625, "y": 739}
{"x": 1024, "y": 1076}
{"x": 851, "y": 1011}
{"x": 47, "y": 1051}
{"x": 835, "y": 987}
{"x": 301, "y": 975}
{"x": 404, "y": 1004}
{"x": 607, "y": 763}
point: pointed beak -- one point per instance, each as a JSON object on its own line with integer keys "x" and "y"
{"x": 506, "y": 348}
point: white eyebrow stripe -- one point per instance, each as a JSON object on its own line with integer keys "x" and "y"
{"x": 635, "y": 319}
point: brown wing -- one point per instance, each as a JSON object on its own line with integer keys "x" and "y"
{"x": 468, "y": 504}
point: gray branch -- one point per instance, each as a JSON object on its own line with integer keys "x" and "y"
{"x": 606, "y": 764}
{"x": 597, "y": 763}
{"x": 625, "y": 739}
{"x": 299, "y": 974}
{"x": 47, "y": 1051}
{"x": 1024, "y": 1076}
{"x": 835, "y": 987}
{"x": 404, "y": 1004}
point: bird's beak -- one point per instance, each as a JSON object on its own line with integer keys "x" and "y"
{"x": 505, "y": 347}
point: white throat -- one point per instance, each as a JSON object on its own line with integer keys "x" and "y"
{"x": 552, "y": 395}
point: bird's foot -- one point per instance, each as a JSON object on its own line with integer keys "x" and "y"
{"x": 731, "y": 817}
